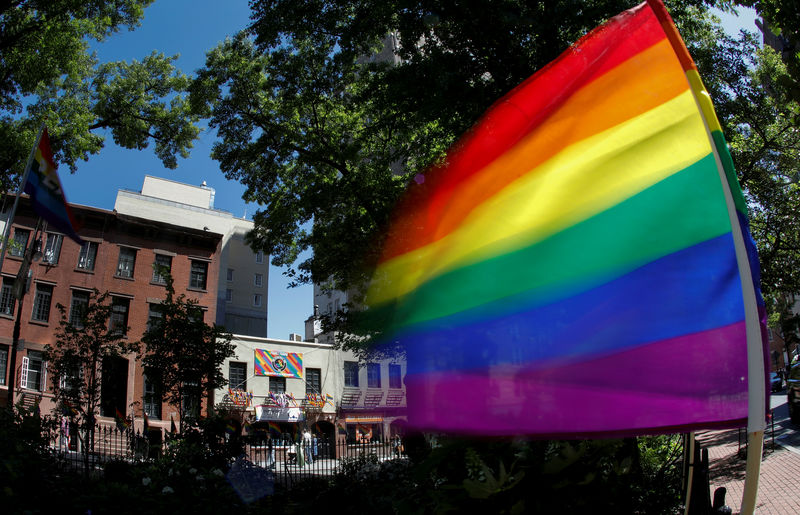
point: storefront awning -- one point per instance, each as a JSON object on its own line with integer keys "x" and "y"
{"x": 363, "y": 420}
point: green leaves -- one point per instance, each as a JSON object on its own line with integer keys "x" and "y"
{"x": 48, "y": 75}
{"x": 187, "y": 352}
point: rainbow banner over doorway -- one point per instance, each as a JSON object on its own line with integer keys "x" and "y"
{"x": 581, "y": 265}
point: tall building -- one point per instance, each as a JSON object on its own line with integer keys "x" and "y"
{"x": 243, "y": 274}
{"x": 117, "y": 257}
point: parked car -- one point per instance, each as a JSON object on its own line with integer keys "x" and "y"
{"x": 793, "y": 393}
{"x": 776, "y": 381}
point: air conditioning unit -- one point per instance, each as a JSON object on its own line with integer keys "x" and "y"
{"x": 295, "y": 337}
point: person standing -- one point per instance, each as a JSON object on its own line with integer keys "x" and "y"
{"x": 307, "y": 446}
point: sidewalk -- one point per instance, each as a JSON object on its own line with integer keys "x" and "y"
{"x": 779, "y": 482}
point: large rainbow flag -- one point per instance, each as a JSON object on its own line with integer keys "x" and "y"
{"x": 581, "y": 265}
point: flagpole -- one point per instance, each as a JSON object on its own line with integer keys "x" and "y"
{"x": 7, "y": 229}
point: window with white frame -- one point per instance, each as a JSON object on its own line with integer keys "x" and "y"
{"x": 3, "y": 363}
{"x": 259, "y": 257}
{"x": 87, "y": 256}
{"x": 7, "y": 300}
{"x": 228, "y": 295}
{"x": 52, "y": 248}
{"x": 126, "y": 262}
{"x": 257, "y": 300}
{"x": 373, "y": 375}
{"x": 41, "y": 302}
{"x": 19, "y": 242}
{"x": 32, "y": 375}
{"x": 198, "y": 274}
{"x": 154, "y": 315}
{"x": 230, "y": 275}
{"x": 151, "y": 398}
{"x": 78, "y": 307}
{"x": 258, "y": 280}
{"x": 119, "y": 315}
{"x": 161, "y": 262}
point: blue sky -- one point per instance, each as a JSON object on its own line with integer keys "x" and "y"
{"x": 190, "y": 28}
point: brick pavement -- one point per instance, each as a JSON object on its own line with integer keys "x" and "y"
{"x": 779, "y": 481}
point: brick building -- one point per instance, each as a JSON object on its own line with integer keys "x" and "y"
{"x": 117, "y": 257}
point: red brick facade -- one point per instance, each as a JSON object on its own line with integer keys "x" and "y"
{"x": 111, "y": 233}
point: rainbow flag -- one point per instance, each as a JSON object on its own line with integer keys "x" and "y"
{"x": 44, "y": 187}
{"x": 121, "y": 420}
{"x": 274, "y": 427}
{"x": 578, "y": 265}
{"x": 280, "y": 364}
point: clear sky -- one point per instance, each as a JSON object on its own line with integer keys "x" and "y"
{"x": 189, "y": 28}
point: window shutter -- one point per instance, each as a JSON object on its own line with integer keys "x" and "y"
{"x": 23, "y": 381}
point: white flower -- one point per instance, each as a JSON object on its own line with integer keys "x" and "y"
{"x": 169, "y": 473}
{"x": 218, "y": 472}
{"x": 192, "y": 470}
{"x": 200, "y": 477}
{"x": 146, "y": 481}
{"x": 167, "y": 490}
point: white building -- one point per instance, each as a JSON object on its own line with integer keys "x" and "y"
{"x": 243, "y": 274}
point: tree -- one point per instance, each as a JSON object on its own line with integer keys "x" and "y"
{"x": 84, "y": 340}
{"x": 47, "y": 74}
{"x": 325, "y": 137}
{"x": 186, "y": 352}
{"x": 757, "y": 111}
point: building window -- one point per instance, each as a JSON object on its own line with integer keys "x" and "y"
{"x": 7, "y": 299}
{"x": 351, "y": 373}
{"x": 228, "y": 295}
{"x": 395, "y": 379}
{"x": 126, "y": 262}
{"x": 258, "y": 280}
{"x": 41, "y": 303}
{"x": 153, "y": 315}
{"x": 151, "y": 397}
{"x": 119, "y": 315}
{"x": 257, "y": 300}
{"x": 3, "y": 364}
{"x": 373, "y": 375}
{"x": 237, "y": 375}
{"x": 277, "y": 385}
{"x": 52, "y": 248}
{"x": 313, "y": 381}
{"x": 199, "y": 273}
{"x": 161, "y": 261}
{"x": 32, "y": 376}
{"x": 259, "y": 257}
{"x": 190, "y": 400}
{"x": 19, "y": 243}
{"x": 87, "y": 256}
{"x": 230, "y": 274}
{"x": 78, "y": 307}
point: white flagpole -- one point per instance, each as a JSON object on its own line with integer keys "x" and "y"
{"x": 7, "y": 230}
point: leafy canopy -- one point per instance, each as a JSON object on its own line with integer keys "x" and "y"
{"x": 47, "y": 74}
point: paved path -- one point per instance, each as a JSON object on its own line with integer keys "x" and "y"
{"x": 779, "y": 482}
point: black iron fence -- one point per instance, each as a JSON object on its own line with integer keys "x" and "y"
{"x": 288, "y": 460}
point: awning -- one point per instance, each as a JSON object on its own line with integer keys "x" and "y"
{"x": 363, "y": 420}
{"x": 267, "y": 413}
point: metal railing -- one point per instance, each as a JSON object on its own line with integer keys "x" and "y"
{"x": 288, "y": 459}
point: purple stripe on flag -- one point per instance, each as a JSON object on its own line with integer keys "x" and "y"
{"x": 690, "y": 382}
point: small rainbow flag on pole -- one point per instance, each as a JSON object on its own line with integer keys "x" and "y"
{"x": 44, "y": 187}
{"x": 581, "y": 265}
